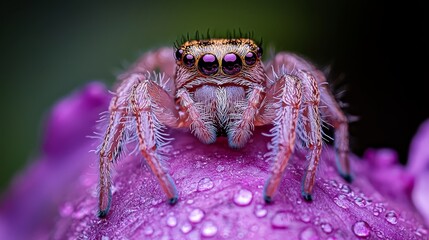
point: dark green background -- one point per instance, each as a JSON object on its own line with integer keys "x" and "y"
{"x": 50, "y": 48}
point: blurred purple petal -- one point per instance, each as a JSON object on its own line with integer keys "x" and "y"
{"x": 418, "y": 166}
{"x": 419, "y": 150}
{"x": 219, "y": 189}
{"x": 31, "y": 202}
{"x": 74, "y": 117}
{"x": 387, "y": 171}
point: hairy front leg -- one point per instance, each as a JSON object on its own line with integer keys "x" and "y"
{"x": 109, "y": 152}
{"x": 240, "y": 132}
{"x": 288, "y": 90}
{"x": 148, "y": 129}
{"x": 196, "y": 120}
{"x": 114, "y": 137}
{"x": 161, "y": 60}
{"x": 329, "y": 108}
{"x": 335, "y": 116}
{"x": 311, "y": 130}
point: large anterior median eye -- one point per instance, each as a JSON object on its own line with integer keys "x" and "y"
{"x": 231, "y": 64}
{"x": 208, "y": 64}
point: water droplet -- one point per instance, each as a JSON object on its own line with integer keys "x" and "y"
{"x": 380, "y": 234}
{"x": 156, "y": 201}
{"x": 299, "y": 200}
{"x": 326, "y": 227}
{"x": 187, "y": 227}
{"x": 316, "y": 220}
{"x": 341, "y": 201}
{"x": 254, "y": 228}
{"x": 190, "y": 201}
{"x": 305, "y": 217}
{"x": 148, "y": 231}
{"x": 66, "y": 210}
{"x": 281, "y": 219}
{"x": 391, "y": 217}
{"x": 361, "y": 202}
{"x": 378, "y": 209}
{"x": 104, "y": 238}
{"x": 171, "y": 221}
{"x": 308, "y": 234}
{"x": 333, "y": 183}
{"x": 243, "y": 197}
{"x": 78, "y": 214}
{"x": 176, "y": 153}
{"x": 220, "y": 168}
{"x": 260, "y": 211}
{"x": 205, "y": 184}
{"x": 361, "y": 229}
{"x": 345, "y": 189}
{"x": 208, "y": 229}
{"x": 196, "y": 215}
{"x": 420, "y": 231}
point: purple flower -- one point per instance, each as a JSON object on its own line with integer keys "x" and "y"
{"x": 219, "y": 190}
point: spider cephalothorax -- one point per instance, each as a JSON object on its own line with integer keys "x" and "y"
{"x": 221, "y": 87}
{"x": 218, "y": 75}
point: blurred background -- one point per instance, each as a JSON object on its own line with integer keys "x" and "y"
{"x": 50, "y": 48}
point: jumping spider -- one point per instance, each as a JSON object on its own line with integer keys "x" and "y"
{"x": 222, "y": 87}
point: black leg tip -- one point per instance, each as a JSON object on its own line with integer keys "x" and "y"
{"x": 307, "y": 197}
{"x": 347, "y": 177}
{"x": 173, "y": 200}
{"x": 268, "y": 199}
{"x": 102, "y": 213}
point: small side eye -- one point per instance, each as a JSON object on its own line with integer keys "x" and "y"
{"x": 208, "y": 64}
{"x": 189, "y": 60}
{"x": 250, "y": 58}
{"x": 259, "y": 52}
{"x": 179, "y": 54}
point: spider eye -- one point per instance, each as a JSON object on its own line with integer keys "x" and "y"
{"x": 250, "y": 58}
{"x": 179, "y": 54}
{"x": 231, "y": 64}
{"x": 259, "y": 52}
{"x": 208, "y": 64}
{"x": 189, "y": 60}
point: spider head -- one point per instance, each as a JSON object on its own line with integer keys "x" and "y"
{"x": 219, "y": 61}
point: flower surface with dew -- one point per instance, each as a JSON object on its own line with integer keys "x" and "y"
{"x": 219, "y": 190}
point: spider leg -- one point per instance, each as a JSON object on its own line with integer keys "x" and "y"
{"x": 311, "y": 130}
{"x": 148, "y": 127}
{"x": 288, "y": 92}
{"x": 108, "y": 154}
{"x": 329, "y": 107}
{"x": 194, "y": 119}
{"x": 160, "y": 59}
{"x": 337, "y": 118}
{"x": 240, "y": 133}
{"x": 163, "y": 110}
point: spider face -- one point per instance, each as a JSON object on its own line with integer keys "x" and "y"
{"x": 219, "y": 62}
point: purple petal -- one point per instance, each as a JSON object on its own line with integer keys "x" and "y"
{"x": 219, "y": 189}
{"x": 220, "y": 196}
{"x": 418, "y": 166}
{"x": 32, "y": 200}
{"x": 74, "y": 117}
